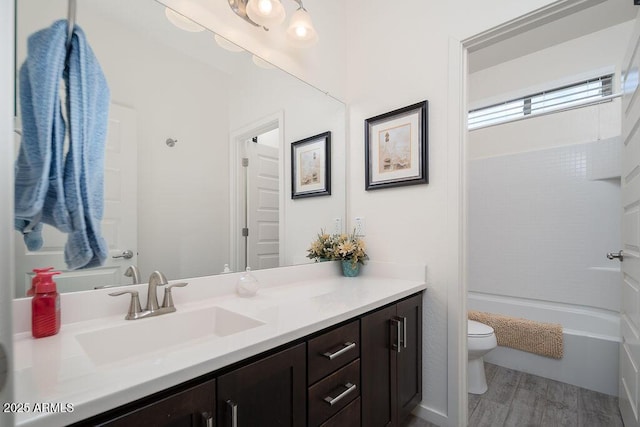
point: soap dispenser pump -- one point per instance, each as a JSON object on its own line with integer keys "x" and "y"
{"x": 45, "y": 307}
{"x": 36, "y": 278}
{"x": 247, "y": 285}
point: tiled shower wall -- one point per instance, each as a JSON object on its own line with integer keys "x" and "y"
{"x": 541, "y": 223}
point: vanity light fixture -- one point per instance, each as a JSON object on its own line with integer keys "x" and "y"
{"x": 268, "y": 13}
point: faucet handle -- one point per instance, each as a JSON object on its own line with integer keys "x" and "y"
{"x": 134, "y": 304}
{"x": 167, "y": 301}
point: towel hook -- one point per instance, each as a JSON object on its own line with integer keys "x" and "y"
{"x": 71, "y": 20}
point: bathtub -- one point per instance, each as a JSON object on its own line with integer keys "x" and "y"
{"x": 591, "y": 341}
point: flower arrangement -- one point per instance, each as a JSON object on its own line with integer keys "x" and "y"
{"x": 322, "y": 247}
{"x": 349, "y": 247}
{"x": 343, "y": 247}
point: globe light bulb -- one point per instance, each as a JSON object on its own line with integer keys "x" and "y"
{"x": 267, "y": 13}
{"x": 301, "y": 31}
{"x": 265, "y": 6}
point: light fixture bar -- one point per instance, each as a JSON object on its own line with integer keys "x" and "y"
{"x": 267, "y": 13}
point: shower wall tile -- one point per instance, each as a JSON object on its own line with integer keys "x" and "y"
{"x": 540, "y": 225}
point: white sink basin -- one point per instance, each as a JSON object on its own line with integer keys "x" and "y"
{"x": 163, "y": 332}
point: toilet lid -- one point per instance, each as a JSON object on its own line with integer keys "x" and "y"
{"x": 478, "y": 329}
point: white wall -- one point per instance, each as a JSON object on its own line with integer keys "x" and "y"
{"x": 182, "y": 191}
{"x": 541, "y": 222}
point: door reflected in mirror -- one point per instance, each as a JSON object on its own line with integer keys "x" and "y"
{"x": 181, "y": 115}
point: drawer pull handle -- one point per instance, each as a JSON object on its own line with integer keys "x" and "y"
{"x": 397, "y": 346}
{"x": 234, "y": 413}
{"x": 404, "y": 331}
{"x": 333, "y": 400}
{"x": 347, "y": 346}
{"x": 208, "y": 419}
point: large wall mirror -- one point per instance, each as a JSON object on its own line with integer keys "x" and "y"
{"x": 184, "y": 113}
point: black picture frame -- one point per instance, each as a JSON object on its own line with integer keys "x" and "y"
{"x": 397, "y": 147}
{"x": 311, "y": 166}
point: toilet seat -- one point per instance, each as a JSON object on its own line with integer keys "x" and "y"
{"x": 478, "y": 330}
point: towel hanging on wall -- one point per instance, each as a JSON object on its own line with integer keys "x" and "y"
{"x": 88, "y": 108}
{"x": 65, "y": 191}
{"x": 39, "y": 195}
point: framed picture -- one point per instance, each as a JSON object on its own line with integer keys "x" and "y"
{"x": 396, "y": 148}
{"x": 311, "y": 166}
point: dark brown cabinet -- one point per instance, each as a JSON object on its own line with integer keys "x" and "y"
{"x": 192, "y": 407}
{"x": 333, "y": 364}
{"x": 364, "y": 372}
{"x": 268, "y": 392}
{"x": 391, "y": 360}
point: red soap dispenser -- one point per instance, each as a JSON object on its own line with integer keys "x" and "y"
{"x": 31, "y": 292}
{"x": 45, "y": 307}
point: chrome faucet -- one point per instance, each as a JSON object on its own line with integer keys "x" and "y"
{"x": 133, "y": 272}
{"x": 156, "y": 279}
{"x": 152, "y": 309}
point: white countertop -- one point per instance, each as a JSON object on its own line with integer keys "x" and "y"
{"x": 313, "y": 297}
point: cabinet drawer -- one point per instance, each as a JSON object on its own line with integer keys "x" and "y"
{"x": 329, "y": 396}
{"x": 348, "y": 417}
{"x": 333, "y": 350}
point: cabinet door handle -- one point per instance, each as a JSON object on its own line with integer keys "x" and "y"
{"x": 404, "y": 332}
{"x": 333, "y": 400}
{"x": 397, "y": 345}
{"x": 208, "y": 419}
{"x": 346, "y": 347}
{"x": 234, "y": 413}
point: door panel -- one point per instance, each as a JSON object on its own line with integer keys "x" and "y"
{"x": 264, "y": 207}
{"x": 270, "y": 391}
{"x": 630, "y": 182}
{"x": 378, "y": 380}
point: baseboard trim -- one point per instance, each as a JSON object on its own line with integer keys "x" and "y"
{"x": 431, "y": 415}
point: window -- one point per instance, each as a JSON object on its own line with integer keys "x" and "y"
{"x": 566, "y": 97}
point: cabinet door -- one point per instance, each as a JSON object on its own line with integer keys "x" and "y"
{"x": 378, "y": 368}
{"x": 268, "y": 392}
{"x": 409, "y": 359}
{"x": 194, "y": 407}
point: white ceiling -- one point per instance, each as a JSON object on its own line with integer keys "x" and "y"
{"x": 590, "y": 20}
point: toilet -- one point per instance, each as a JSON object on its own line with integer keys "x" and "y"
{"x": 480, "y": 340}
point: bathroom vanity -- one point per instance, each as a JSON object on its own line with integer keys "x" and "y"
{"x": 328, "y": 351}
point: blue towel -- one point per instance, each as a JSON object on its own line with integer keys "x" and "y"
{"x": 70, "y": 196}
{"x": 39, "y": 195}
{"x": 88, "y": 107}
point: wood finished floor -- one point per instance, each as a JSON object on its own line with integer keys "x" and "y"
{"x": 518, "y": 399}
